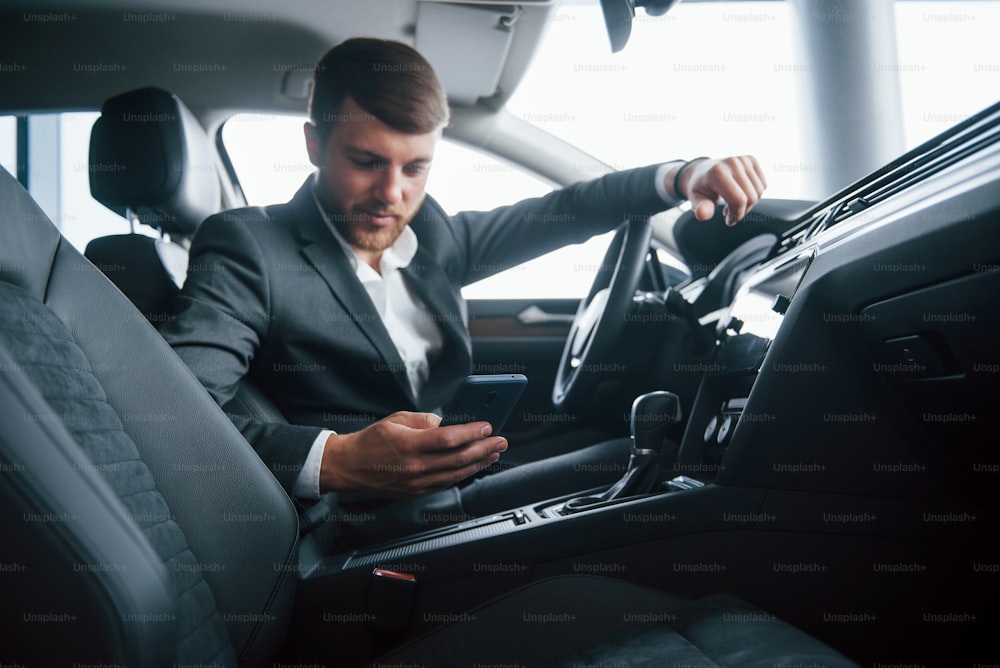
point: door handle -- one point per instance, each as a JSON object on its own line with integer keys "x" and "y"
{"x": 533, "y": 315}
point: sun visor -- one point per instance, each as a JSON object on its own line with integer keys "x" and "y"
{"x": 467, "y": 45}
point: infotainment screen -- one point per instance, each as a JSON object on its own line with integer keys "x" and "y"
{"x": 759, "y": 307}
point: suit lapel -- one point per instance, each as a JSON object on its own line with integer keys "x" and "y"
{"x": 332, "y": 264}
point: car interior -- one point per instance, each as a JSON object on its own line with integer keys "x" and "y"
{"x": 810, "y": 401}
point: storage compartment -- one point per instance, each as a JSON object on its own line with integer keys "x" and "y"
{"x": 939, "y": 350}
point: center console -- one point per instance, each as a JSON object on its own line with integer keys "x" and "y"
{"x": 744, "y": 332}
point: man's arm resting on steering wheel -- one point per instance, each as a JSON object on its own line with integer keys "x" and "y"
{"x": 507, "y": 236}
{"x": 737, "y": 181}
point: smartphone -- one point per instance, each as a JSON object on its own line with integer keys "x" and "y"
{"x": 490, "y": 398}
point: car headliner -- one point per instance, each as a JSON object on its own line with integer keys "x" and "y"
{"x": 219, "y": 54}
{"x": 227, "y": 56}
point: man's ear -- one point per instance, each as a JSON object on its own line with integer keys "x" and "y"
{"x": 317, "y": 156}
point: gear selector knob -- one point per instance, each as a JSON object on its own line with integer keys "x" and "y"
{"x": 652, "y": 415}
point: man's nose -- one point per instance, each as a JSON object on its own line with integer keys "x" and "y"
{"x": 389, "y": 188}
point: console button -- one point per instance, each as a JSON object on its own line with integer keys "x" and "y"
{"x": 724, "y": 429}
{"x": 710, "y": 429}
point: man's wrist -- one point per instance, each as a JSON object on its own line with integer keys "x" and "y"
{"x": 328, "y": 474}
{"x": 678, "y": 184}
{"x": 309, "y": 484}
{"x": 663, "y": 178}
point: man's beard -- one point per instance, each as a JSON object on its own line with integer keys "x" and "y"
{"x": 361, "y": 234}
{"x": 355, "y": 227}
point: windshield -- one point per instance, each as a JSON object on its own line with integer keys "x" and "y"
{"x": 724, "y": 78}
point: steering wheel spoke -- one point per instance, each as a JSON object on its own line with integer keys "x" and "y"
{"x": 601, "y": 317}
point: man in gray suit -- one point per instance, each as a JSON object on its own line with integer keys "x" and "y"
{"x": 344, "y": 306}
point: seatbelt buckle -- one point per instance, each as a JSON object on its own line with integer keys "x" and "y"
{"x": 390, "y": 598}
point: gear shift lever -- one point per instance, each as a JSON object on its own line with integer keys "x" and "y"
{"x": 652, "y": 415}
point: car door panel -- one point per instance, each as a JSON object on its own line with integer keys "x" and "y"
{"x": 522, "y": 336}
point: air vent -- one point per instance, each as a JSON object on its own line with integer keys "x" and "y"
{"x": 931, "y": 157}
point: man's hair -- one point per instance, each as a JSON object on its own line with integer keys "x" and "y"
{"x": 389, "y": 80}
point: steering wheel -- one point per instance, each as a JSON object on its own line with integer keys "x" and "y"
{"x": 600, "y": 317}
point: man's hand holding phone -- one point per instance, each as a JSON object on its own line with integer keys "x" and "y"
{"x": 412, "y": 454}
{"x": 408, "y": 454}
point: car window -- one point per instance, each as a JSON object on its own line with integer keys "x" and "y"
{"x": 464, "y": 179}
{"x": 948, "y": 63}
{"x": 8, "y": 143}
{"x": 268, "y": 154}
{"x": 675, "y": 92}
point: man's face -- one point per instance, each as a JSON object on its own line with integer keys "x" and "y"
{"x": 371, "y": 177}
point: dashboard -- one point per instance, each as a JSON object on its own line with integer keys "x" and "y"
{"x": 860, "y": 352}
{"x": 859, "y": 347}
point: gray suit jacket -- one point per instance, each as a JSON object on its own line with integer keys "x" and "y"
{"x": 270, "y": 295}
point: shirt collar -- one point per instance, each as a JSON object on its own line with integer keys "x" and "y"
{"x": 396, "y": 256}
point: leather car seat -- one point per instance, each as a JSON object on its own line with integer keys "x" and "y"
{"x": 149, "y": 530}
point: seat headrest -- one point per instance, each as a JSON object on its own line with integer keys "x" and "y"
{"x": 148, "y": 153}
